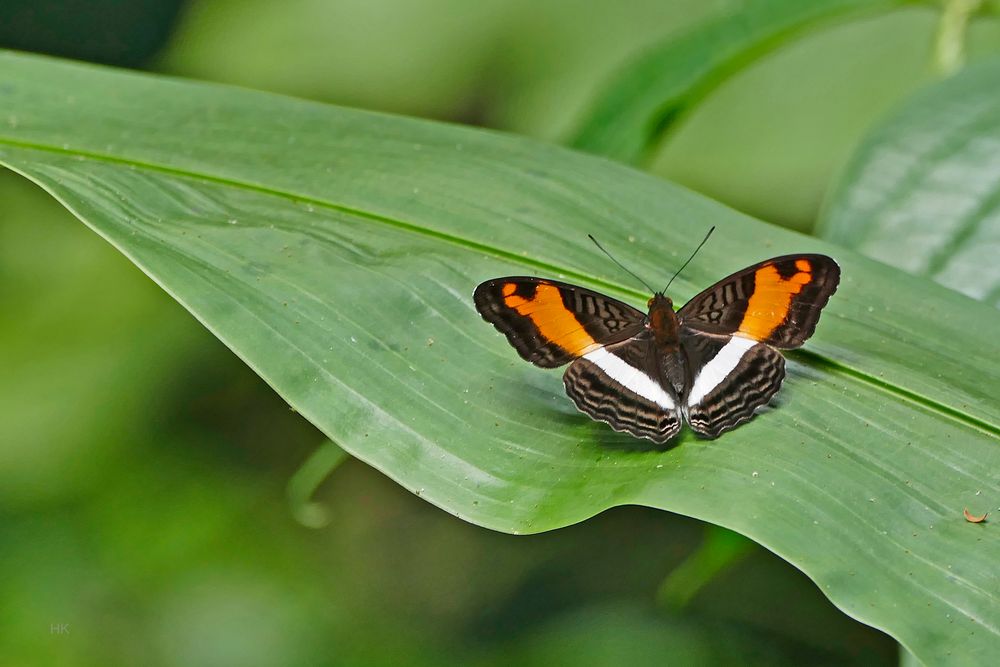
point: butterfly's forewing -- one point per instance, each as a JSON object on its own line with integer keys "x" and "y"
{"x": 777, "y": 302}
{"x": 620, "y": 384}
{"x": 551, "y": 323}
{"x": 732, "y": 376}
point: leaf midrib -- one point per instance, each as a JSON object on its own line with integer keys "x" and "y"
{"x": 814, "y": 359}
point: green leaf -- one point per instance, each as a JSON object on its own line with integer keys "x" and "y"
{"x": 923, "y": 191}
{"x": 336, "y": 251}
{"x": 649, "y": 96}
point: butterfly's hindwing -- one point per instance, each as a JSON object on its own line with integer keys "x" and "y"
{"x": 732, "y": 376}
{"x": 777, "y": 302}
{"x": 620, "y": 385}
{"x": 551, "y": 323}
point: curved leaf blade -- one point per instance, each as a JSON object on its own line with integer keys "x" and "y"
{"x": 923, "y": 191}
{"x": 336, "y": 252}
{"x": 652, "y": 93}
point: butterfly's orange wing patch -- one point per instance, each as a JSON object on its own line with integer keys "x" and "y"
{"x": 554, "y": 321}
{"x": 771, "y": 300}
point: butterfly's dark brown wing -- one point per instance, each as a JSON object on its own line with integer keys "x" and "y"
{"x": 621, "y": 384}
{"x": 777, "y": 302}
{"x": 551, "y": 323}
{"x": 731, "y": 376}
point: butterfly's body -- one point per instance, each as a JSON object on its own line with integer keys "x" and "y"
{"x": 712, "y": 363}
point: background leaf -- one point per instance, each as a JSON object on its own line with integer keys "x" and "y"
{"x": 923, "y": 191}
{"x": 651, "y": 94}
{"x": 788, "y": 116}
{"x": 335, "y": 252}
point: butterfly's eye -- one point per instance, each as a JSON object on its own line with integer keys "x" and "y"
{"x": 649, "y": 304}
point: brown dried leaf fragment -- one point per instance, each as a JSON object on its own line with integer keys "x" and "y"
{"x": 971, "y": 518}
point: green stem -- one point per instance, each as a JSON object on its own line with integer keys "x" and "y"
{"x": 949, "y": 46}
{"x": 720, "y": 550}
{"x": 303, "y": 484}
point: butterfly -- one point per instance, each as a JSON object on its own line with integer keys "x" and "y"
{"x": 712, "y": 363}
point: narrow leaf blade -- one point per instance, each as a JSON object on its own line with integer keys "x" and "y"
{"x": 652, "y": 93}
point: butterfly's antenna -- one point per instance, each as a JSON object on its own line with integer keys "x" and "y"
{"x": 690, "y": 258}
{"x": 619, "y": 263}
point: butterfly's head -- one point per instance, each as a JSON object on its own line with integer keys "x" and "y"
{"x": 660, "y": 301}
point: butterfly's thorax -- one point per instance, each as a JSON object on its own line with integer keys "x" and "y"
{"x": 663, "y": 323}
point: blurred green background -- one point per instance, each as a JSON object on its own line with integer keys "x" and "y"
{"x": 143, "y": 468}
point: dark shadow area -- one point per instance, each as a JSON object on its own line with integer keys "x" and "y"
{"x": 126, "y": 33}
